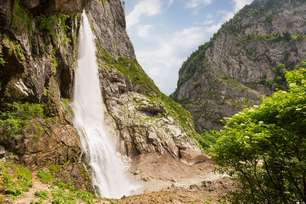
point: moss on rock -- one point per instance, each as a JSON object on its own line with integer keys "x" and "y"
{"x": 130, "y": 69}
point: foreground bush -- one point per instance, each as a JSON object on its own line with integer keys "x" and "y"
{"x": 264, "y": 147}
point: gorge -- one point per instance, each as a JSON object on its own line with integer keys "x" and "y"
{"x": 81, "y": 121}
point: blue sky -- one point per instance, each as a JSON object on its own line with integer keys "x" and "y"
{"x": 166, "y": 32}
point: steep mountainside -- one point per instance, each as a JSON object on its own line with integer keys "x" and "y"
{"x": 38, "y": 53}
{"x": 243, "y": 61}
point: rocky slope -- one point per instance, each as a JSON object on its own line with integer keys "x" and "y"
{"x": 38, "y": 52}
{"x": 243, "y": 61}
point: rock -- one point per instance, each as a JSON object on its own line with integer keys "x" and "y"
{"x": 2, "y": 151}
{"x": 191, "y": 156}
{"x": 137, "y": 172}
{"x": 144, "y": 126}
{"x": 30, "y": 4}
{"x": 47, "y": 144}
{"x": 235, "y": 69}
{"x": 39, "y": 68}
{"x": 110, "y": 27}
{"x": 194, "y": 187}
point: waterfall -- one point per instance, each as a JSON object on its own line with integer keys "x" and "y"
{"x": 109, "y": 175}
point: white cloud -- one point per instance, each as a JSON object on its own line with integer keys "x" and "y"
{"x": 170, "y": 2}
{"x": 239, "y": 4}
{"x": 143, "y": 8}
{"x": 144, "y": 31}
{"x": 163, "y": 60}
{"x": 196, "y": 3}
{"x": 162, "y": 52}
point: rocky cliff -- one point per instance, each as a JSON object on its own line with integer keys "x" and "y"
{"x": 244, "y": 61}
{"x": 38, "y": 53}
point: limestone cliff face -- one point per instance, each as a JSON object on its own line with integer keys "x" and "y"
{"x": 144, "y": 120}
{"x": 38, "y": 55}
{"x": 38, "y": 49}
{"x": 244, "y": 60}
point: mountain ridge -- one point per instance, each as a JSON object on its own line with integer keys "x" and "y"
{"x": 234, "y": 69}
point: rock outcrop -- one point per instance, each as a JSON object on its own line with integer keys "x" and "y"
{"x": 245, "y": 60}
{"x": 38, "y": 55}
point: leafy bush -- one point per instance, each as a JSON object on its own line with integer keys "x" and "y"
{"x": 16, "y": 115}
{"x": 264, "y": 147}
{"x": 207, "y": 139}
{"x": 14, "y": 179}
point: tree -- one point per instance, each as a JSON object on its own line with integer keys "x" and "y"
{"x": 264, "y": 147}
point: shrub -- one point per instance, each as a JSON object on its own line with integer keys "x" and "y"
{"x": 264, "y": 147}
{"x": 14, "y": 116}
{"x": 14, "y": 179}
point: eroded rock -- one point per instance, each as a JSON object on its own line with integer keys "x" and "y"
{"x": 239, "y": 64}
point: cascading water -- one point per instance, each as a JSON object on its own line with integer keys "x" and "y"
{"x": 109, "y": 173}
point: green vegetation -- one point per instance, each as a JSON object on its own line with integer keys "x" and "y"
{"x": 42, "y": 194}
{"x": 21, "y": 19}
{"x": 189, "y": 67}
{"x": 55, "y": 26}
{"x": 144, "y": 85}
{"x": 16, "y": 115}
{"x": 14, "y": 48}
{"x": 207, "y": 139}
{"x": 279, "y": 81}
{"x": 264, "y": 147}
{"x": 14, "y": 179}
{"x": 275, "y": 37}
{"x": 61, "y": 193}
{"x": 129, "y": 68}
{"x": 66, "y": 194}
{"x": 2, "y": 61}
{"x": 104, "y": 1}
{"x": 44, "y": 176}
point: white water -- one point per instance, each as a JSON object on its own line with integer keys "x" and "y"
{"x": 109, "y": 173}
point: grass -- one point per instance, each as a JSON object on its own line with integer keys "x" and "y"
{"x": 145, "y": 85}
{"x": 60, "y": 192}
{"x": 14, "y": 179}
{"x": 44, "y": 176}
{"x": 42, "y": 194}
{"x": 66, "y": 194}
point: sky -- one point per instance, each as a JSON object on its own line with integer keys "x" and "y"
{"x": 166, "y": 32}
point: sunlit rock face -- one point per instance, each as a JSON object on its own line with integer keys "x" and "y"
{"x": 239, "y": 64}
{"x": 38, "y": 56}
